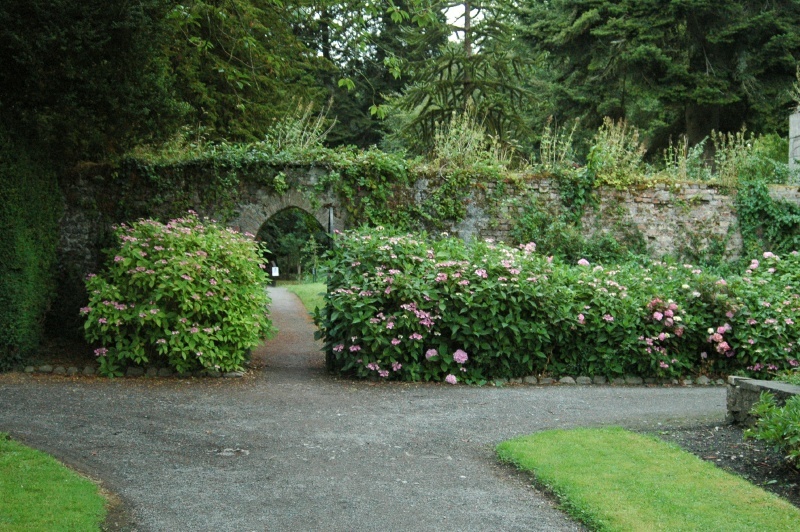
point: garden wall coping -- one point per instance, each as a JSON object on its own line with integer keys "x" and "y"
{"x": 744, "y": 392}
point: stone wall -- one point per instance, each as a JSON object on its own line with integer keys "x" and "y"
{"x": 668, "y": 216}
{"x": 743, "y": 393}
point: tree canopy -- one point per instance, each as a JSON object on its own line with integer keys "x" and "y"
{"x": 94, "y": 78}
{"x": 669, "y": 67}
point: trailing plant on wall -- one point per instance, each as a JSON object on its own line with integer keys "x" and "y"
{"x": 765, "y": 223}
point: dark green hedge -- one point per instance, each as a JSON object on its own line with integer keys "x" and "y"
{"x": 29, "y": 214}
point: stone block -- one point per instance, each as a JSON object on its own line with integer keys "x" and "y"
{"x": 583, "y": 380}
{"x": 134, "y": 371}
{"x": 599, "y": 379}
{"x": 530, "y": 380}
{"x": 566, "y": 380}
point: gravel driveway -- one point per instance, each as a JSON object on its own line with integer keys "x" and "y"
{"x": 288, "y": 447}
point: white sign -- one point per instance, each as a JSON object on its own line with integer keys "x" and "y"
{"x": 275, "y": 272}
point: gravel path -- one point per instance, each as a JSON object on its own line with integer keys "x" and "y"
{"x": 291, "y": 448}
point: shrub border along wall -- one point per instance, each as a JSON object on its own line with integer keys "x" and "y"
{"x": 414, "y": 308}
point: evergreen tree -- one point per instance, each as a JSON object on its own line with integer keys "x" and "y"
{"x": 477, "y": 64}
{"x": 669, "y": 67}
{"x": 85, "y": 78}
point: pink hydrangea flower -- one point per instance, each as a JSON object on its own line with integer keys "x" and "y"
{"x": 583, "y": 262}
{"x": 430, "y": 353}
{"x": 663, "y": 364}
{"x": 658, "y": 316}
{"x": 395, "y": 341}
{"x": 608, "y": 317}
{"x": 451, "y": 379}
{"x": 581, "y": 319}
{"x": 460, "y": 356}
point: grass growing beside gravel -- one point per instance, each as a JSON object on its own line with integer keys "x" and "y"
{"x": 311, "y": 294}
{"x": 613, "y": 479}
{"x": 39, "y": 493}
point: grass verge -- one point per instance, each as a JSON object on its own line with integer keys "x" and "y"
{"x": 311, "y": 294}
{"x": 39, "y": 493}
{"x": 613, "y": 479}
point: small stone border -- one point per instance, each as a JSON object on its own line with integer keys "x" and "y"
{"x": 132, "y": 371}
{"x": 629, "y": 380}
{"x": 136, "y": 371}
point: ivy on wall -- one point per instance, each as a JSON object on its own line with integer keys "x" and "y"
{"x": 765, "y": 223}
{"x": 31, "y": 206}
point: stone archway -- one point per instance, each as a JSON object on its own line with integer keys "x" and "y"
{"x": 255, "y": 210}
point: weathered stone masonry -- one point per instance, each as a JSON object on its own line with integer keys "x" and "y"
{"x": 664, "y": 214}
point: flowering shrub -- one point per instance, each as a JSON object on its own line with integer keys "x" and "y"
{"x": 187, "y": 294}
{"x": 417, "y": 308}
{"x": 766, "y": 313}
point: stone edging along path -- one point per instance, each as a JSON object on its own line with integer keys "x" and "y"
{"x": 135, "y": 371}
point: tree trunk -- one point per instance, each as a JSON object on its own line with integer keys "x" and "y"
{"x": 701, "y": 120}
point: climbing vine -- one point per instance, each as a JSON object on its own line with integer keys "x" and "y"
{"x": 765, "y": 223}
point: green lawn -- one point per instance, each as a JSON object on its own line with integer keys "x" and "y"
{"x": 311, "y": 294}
{"x": 613, "y": 479}
{"x": 39, "y": 493}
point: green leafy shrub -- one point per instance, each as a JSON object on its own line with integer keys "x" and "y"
{"x": 187, "y": 294}
{"x": 778, "y": 425}
{"x": 557, "y": 233}
{"x": 401, "y": 306}
{"x": 31, "y": 206}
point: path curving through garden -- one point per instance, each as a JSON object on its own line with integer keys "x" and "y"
{"x": 292, "y": 448}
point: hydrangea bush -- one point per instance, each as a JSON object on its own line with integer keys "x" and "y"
{"x": 185, "y": 294}
{"x": 419, "y": 308}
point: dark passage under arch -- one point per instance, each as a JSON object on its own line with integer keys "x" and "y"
{"x": 295, "y": 241}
